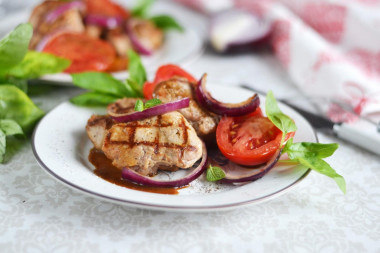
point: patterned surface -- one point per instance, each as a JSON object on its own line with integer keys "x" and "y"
{"x": 38, "y": 214}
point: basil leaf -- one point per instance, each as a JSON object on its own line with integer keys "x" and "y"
{"x": 14, "y": 46}
{"x": 36, "y": 64}
{"x": 317, "y": 149}
{"x": 166, "y": 22}
{"x": 13, "y": 145}
{"x": 101, "y": 82}
{"x": 142, "y": 8}
{"x": 139, "y": 106}
{"x": 151, "y": 103}
{"x": 3, "y": 143}
{"x": 93, "y": 99}
{"x": 16, "y": 105}
{"x": 7, "y": 127}
{"x": 136, "y": 69}
{"x": 310, "y": 154}
{"x": 319, "y": 165}
{"x": 10, "y": 127}
{"x": 279, "y": 119}
{"x": 134, "y": 88}
{"x": 22, "y": 84}
{"x": 214, "y": 173}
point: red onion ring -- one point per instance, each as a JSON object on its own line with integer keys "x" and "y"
{"x": 55, "y": 14}
{"x": 136, "y": 42}
{"x": 106, "y": 22}
{"x": 238, "y": 174}
{"x": 228, "y": 109}
{"x": 150, "y": 112}
{"x": 42, "y": 43}
{"x": 193, "y": 174}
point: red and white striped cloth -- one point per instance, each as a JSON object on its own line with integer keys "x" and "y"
{"x": 330, "y": 48}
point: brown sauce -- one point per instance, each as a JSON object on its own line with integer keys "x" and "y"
{"x": 110, "y": 173}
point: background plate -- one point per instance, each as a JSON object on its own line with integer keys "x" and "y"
{"x": 179, "y": 48}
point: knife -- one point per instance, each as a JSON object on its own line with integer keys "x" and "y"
{"x": 361, "y": 133}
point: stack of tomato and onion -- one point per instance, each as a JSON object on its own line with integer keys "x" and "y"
{"x": 244, "y": 135}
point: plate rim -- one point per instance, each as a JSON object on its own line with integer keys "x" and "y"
{"x": 193, "y": 208}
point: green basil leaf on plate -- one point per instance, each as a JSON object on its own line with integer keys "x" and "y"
{"x": 278, "y": 118}
{"x": 166, "y": 22}
{"x": 136, "y": 69}
{"x": 93, "y": 99}
{"x": 214, "y": 173}
{"x": 101, "y": 83}
{"x": 141, "y": 9}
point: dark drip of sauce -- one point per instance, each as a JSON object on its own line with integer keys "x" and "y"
{"x": 110, "y": 173}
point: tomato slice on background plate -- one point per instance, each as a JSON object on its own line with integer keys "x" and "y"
{"x": 248, "y": 140}
{"x": 85, "y": 53}
{"x": 106, "y": 8}
{"x": 163, "y": 73}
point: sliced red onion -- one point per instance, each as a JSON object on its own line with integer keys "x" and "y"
{"x": 238, "y": 174}
{"x": 55, "y": 14}
{"x": 236, "y": 28}
{"x": 193, "y": 173}
{"x": 137, "y": 43}
{"x": 42, "y": 43}
{"x": 150, "y": 112}
{"x": 228, "y": 109}
{"x": 106, "y": 22}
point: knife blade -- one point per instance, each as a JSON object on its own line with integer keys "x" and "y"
{"x": 361, "y": 133}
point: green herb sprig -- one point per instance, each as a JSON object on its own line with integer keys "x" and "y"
{"x": 308, "y": 154}
{"x": 8, "y": 127}
{"x": 105, "y": 89}
{"x": 140, "y": 106}
{"x": 164, "y": 22}
{"x": 214, "y": 173}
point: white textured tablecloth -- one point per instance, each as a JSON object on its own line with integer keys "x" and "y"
{"x": 39, "y": 214}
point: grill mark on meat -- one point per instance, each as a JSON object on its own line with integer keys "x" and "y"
{"x": 132, "y": 133}
{"x": 185, "y": 136}
{"x": 157, "y": 139}
{"x": 156, "y": 143}
{"x": 153, "y": 144}
{"x": 150, "y": 126}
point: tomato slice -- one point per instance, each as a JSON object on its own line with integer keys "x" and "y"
{"x": 148, "y": 89}
{"x": 85, "y": 53}
{"x": 248, "y": 140}
{"x": 106, "y": 8}
{"x": 164, "y": 73}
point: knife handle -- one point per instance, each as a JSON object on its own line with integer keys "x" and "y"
{"x": 361, "y": 133}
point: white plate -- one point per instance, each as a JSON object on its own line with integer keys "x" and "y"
{"x": 61, "y": 147}
{"x": 179, "y": 48}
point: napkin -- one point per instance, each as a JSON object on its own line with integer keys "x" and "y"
{"x": 330, "y": 49}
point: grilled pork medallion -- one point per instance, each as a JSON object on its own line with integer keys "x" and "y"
{"x": 165, "y": 142}
{"x": 203, "y": 121}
